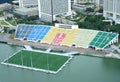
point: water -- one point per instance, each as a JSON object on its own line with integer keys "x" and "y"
{"x": 81, "y": 69}
{"x": 3, "y": 1}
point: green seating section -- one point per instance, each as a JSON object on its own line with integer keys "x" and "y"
{"x": 102, "y": 39}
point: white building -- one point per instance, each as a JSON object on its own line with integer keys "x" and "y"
{"x": 48, "y": 9}
{"x": 84, "y": 1}
{"x": 28, "y": 3}
{"x": 111, "y": 10}
{"x": 5, "y": 6}
{"x": 98, "y": 2}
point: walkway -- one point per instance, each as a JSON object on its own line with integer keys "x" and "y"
{"x": 28, "y": 47}
{"x": 9, "y": 25}
{"x": 54, "y": 48}
{"x": 112, "y": 55}
{"x": 48, "y": 50}
{"x": 116, "y": 48}
{"x": 71, "y": 53}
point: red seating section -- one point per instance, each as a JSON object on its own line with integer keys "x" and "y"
{"x": 58, "y": 38}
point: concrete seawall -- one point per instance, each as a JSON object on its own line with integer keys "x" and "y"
{"x": 38, "y": 45}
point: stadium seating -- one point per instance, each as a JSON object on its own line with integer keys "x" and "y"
{"x": 67, "y": 38}
{"x": 50, "y": 35}
{"x": 102, "y": 39}
{"x": 31, "y": 32}
{"x": 84, "y": 37}
{"x": 71, "y": 35}
{"x": 58, "y": 38}
{"x": 23, "y": 31}
{"x": 38, "y": 33}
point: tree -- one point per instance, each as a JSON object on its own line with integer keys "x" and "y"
{"x": 115, "y": 28}
{"x": 100, "y": 10}
{"x": 94, "y": 22}
{"x": 89, "y": 9}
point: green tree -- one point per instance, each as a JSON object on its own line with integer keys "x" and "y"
{"x": 115, "y": 28}
{"x": 89, "y": 9}
{"x": 94, "y": 22}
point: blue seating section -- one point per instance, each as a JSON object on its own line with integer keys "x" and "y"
{"x": 31, "y": 32}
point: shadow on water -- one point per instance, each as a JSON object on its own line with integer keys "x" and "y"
{"x": 110, "y": 63}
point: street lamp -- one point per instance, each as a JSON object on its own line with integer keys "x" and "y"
{"x": 52, "y": 9}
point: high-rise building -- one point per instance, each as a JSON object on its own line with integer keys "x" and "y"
{"x": 48, "y": 9}
{"x": 111, "y": 10}
{"x": 27, "y": 3}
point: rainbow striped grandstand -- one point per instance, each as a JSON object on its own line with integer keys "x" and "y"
{"x": 79, "y": 38}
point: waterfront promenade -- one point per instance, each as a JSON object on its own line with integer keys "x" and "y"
{"x": 65, "y": 49}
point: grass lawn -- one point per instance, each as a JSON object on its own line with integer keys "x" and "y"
{"x": 39, "y": 60}
{"x": 12, "y": 22}
{"x": 116, "y": 52}
{"x": 4, "y": 23}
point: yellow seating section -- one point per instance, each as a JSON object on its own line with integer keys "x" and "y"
{"x": 79, "y": 37}
{"x": 50, "y": 35}
{"x": 70, "y": 36}
{"x": 68, "y": 40}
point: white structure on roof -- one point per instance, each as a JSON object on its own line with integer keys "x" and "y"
{"x": 27, "y": 3}
{"x": 27, "y": 11}
{"x": 48, "y": 9}
{"x": 66, "y": 26}
{"x": 111, "y": 10}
